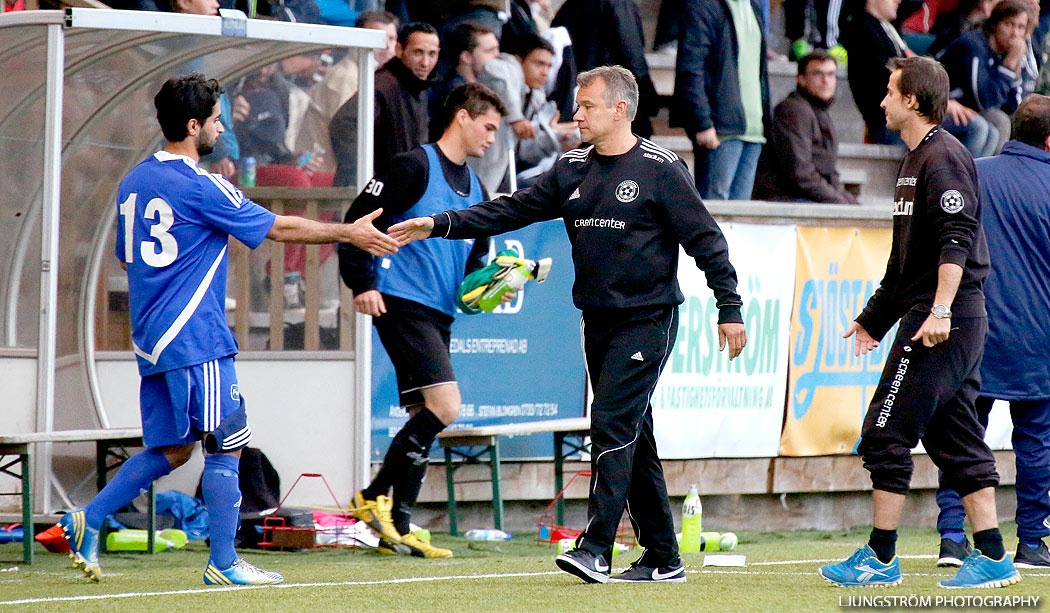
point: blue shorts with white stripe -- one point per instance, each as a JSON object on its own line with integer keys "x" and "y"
{"x": 181, "y": 406}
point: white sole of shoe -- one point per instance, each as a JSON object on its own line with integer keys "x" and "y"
{"x": 873, "y": 584}
{"x": 949, "y": 561}
{"x": 573, "y": 567}
{"x": 987, "y": 584}
{"x": 1031, "y": 566}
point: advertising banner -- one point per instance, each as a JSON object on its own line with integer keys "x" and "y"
{"x": 705, "y": 405}
{"x": 829, "y": 388}
{"x": 522, "y": 362}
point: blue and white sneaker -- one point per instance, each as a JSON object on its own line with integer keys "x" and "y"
{"x": 981, "y": 571}
{"x": 863, "y": 569}
{"x": 241, "y": 573}
{"x": 83, "y": 543}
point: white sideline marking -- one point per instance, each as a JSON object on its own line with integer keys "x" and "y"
{"x": 237, "y": 588}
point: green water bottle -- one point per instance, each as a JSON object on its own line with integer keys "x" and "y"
{"x": 692, "y": 511}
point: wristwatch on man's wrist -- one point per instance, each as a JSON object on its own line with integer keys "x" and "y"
{"x": 941, "y": 312}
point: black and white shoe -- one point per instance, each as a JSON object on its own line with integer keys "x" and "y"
{"x": 953, "y": 553}
{"x": 585, "y": 565}
{"x": 638, "y": 573}
{"x": 1026, "y": 557}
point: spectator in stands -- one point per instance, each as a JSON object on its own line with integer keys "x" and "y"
{"x": 668, "y": 24}
{"x": 537, "y": 155}
{"x": 607, "y": 33}
{"x": 469, "y": 46}
{"x": 872, "y": 42}
{"x": 798, "y": 164}
{"x": 823, "y": 31}
{"x": 503, "y": 75}
{"x": 401, "y": 118}
{"x": 721, "y": 95}
{"x": 967, "y": 17}
{"x": 337, "y": 86}
{"x": 985, "y": 69}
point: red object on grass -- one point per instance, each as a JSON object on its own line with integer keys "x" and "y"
{"x": 52, "y": 540}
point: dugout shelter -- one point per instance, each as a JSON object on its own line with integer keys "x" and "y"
{"x": 76, "y": 114}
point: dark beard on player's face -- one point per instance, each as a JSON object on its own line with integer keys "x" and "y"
{"x": 203, "y": 147}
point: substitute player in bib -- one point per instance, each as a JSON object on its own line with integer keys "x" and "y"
{"x": 412, "y": 299}
{"x": 627, "y": 205}
{"x": 173, "y": 227}
{"x": 933, "y": 285}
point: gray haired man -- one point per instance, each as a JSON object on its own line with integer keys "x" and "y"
{"x": 627, "y": 205}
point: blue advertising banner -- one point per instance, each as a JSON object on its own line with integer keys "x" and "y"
{"x": 521, "y": 363}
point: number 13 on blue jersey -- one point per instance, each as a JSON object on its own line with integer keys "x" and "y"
{"x": 156, "y": 209}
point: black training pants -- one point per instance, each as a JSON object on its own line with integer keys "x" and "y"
{"x": 625, "y": 350}
{"x": 928, "y": 394}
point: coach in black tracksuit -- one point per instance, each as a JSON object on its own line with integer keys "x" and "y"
{"x": 626, "y": 212}
{"x": 933, "y": 285}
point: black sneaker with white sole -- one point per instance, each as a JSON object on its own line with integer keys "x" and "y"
{"x": 585, "y": 565}
{"x": 639, "y": 573}
{"x": 1026, "y": 557}
{"x": 953, "y": 553}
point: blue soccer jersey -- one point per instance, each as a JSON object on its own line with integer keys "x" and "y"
{"x": 173, "y": 226}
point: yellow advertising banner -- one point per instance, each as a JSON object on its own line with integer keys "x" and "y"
{"x": 837, "y": 270}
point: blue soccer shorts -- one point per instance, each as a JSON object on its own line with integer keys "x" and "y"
{"x": 199, "y": 402}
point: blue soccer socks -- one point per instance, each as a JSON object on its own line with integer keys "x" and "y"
{"x": 222, "y": 496}
{"x": 134, "y": 477}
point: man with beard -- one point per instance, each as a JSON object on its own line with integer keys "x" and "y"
{"x": 173, "y": 226}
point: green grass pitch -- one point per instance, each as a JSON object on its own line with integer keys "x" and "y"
{"x": 518, "y": 575}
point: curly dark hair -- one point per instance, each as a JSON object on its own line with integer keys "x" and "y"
{"x": 183, "y": 98}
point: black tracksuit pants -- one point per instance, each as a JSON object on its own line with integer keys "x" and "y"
{"x": 625, "y": 350}
{"x": 928, "y": 394}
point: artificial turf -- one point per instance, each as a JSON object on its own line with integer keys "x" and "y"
{"x": 518, "y": 575}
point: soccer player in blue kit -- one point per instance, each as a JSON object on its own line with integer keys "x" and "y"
{"x": 173, "y": 227}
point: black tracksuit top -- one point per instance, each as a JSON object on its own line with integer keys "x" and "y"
{"x": 625, "y": 216}
{"x": 936, "y": 220}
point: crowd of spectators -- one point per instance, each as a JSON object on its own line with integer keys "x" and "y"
{"x": 298, "y": 118}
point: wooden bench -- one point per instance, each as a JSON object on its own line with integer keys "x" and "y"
{"x": 569, "y": 437}
{"x": 106, "y": 442}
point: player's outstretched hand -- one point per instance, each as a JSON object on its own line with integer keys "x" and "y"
{"x": 734, "y": 335}
{"x": 863, "y": 343}
{"x": 410, "y": 230}
{"x": 363, "y": 235}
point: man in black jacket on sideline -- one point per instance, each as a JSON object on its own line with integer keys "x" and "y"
{"x": 402, "y": 117}
{"x": 798, "y": 164}
{"x": 627, "y": 205}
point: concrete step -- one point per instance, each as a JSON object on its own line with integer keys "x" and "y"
{"x": 849, "y": 125}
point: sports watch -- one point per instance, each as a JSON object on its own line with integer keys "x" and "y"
{"x": 941, "y": 312}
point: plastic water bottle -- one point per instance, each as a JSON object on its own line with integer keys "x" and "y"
{"x": 692, "y": 512}
{"x": 487, "y": 535}
{"x": 248, "y": 172}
